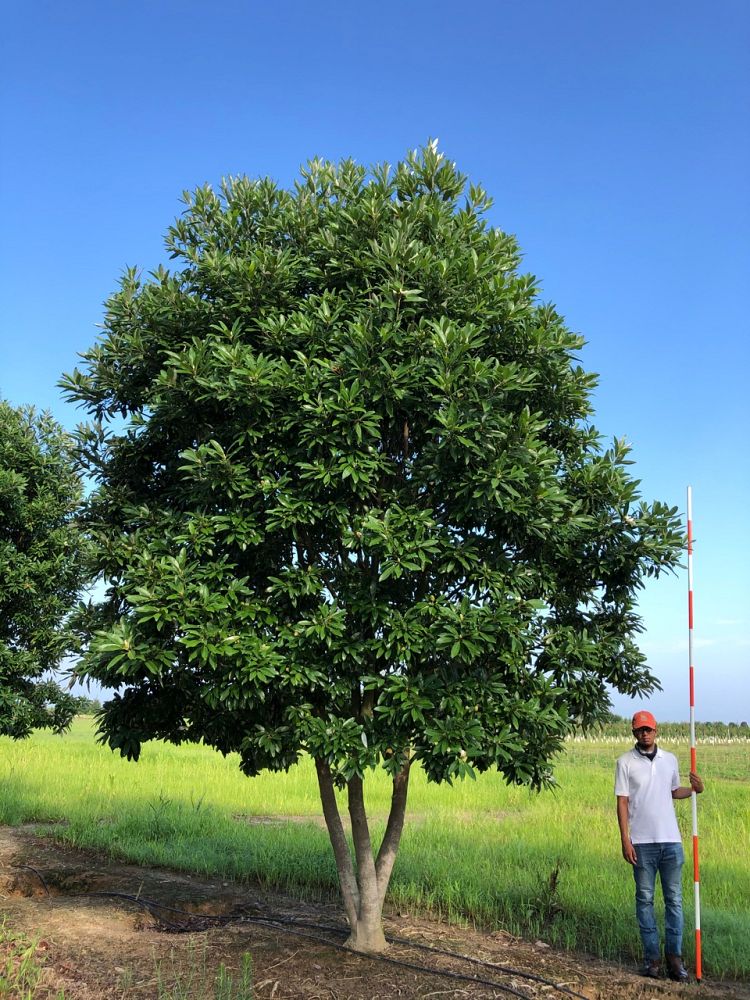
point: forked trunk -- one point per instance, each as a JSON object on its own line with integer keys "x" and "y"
{"x": 368, "y": 935}
{"x": 364, "y": 884}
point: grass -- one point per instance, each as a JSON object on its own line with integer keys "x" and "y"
{"x": 197, "y": 982}
{"x": 545, "y": 865}
{"x": 20, "y": 965}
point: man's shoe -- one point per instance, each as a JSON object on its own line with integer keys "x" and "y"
{"x": 652, "y": 969}
{"x": 676, "y": 970}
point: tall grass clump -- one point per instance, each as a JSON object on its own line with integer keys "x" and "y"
{"x": 195, "y": 980}
{"x": 20, "y": 965}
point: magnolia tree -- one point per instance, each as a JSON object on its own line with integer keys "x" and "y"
{"x": 41, "y": 569}
{"x": 350, "y": 504}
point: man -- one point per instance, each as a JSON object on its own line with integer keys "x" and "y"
{"x": 646, "y": 781}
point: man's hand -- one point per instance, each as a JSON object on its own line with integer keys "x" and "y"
{"x": 685, "y": 791}
{"x": 628, "y": 851}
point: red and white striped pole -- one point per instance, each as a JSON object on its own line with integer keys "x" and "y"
{"x": 694, "y": 797}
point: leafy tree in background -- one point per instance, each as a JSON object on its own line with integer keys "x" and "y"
{"x": 41, "y": 569}
{"x": 87, "y": 706}
{"x": 356, "y": 508}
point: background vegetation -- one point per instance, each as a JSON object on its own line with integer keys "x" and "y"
{"x": 42, "y": 557}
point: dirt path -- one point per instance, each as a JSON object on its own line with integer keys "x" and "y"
{"x": 104, "y": 947}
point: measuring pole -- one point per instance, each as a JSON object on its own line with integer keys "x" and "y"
{"x": 694, "y": 796}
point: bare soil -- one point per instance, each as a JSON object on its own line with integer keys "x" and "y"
{"x": 110, "y": 947}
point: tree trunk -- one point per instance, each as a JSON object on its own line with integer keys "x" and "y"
{"x": 363, "y": 888}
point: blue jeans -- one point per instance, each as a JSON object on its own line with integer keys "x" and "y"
{"x": 667, "y": 860}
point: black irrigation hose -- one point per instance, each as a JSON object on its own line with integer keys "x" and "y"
{"x": 37, "y": 873}
{"x": 340, "y": 929}
{"x": 151, "y": 905}
{"x": 445, "y": 973}
{"x": 489, "y": 965}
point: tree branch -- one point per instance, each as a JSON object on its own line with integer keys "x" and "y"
{"x": 344, "y": 866}
{"x": 392, "y": 836}
{"x": 367, "y": 879}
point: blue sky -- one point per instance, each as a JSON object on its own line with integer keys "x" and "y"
{"x": 613, "y": 139}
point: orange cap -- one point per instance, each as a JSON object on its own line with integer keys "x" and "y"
{"x": 644, "y": 719}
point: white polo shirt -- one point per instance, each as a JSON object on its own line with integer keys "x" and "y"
{"x": 648, "y": 785}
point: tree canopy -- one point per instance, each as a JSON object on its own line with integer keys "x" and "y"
{"x": 41, "y": 569}
{"x": 350, "y": 500}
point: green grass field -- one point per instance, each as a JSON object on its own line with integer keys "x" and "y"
{"x": 544, "y": 865}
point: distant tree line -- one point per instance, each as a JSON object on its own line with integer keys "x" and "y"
{"x": 88, "y": 706}
{"x": 620, "y": 726}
